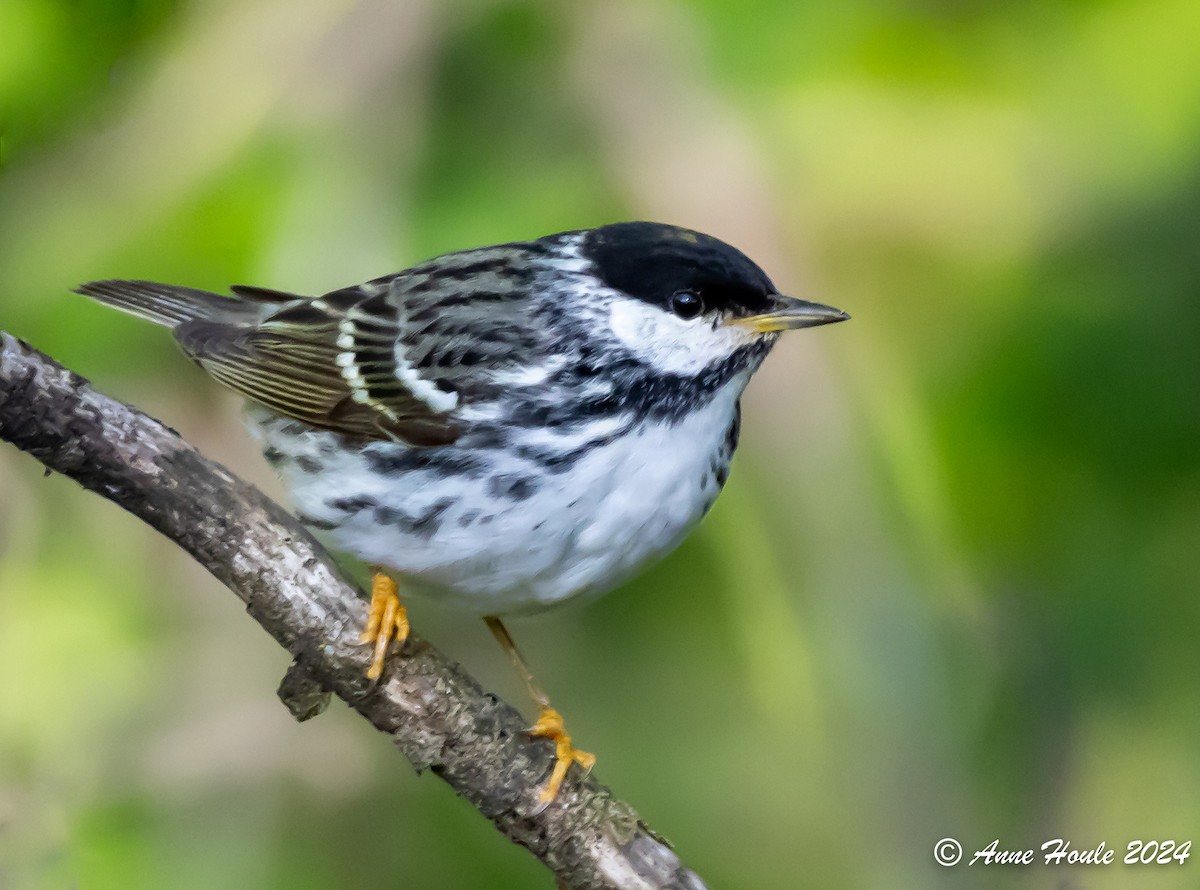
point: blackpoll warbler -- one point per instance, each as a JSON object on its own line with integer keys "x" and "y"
{"x": 504, "y": 428}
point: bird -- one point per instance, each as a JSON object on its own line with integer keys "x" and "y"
{"x": 505, "y": 428}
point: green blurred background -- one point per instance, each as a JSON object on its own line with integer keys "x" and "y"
{"x": 951, "y": 588}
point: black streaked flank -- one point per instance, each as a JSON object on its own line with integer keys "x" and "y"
{"x": 560, "y": 461}
{"x": 353, "y": 504}
{"x": 719, "y": 466}
{"x": 721, "y": 474}
{"x": 424, "y": 524}
{"x": 735, "y": 430}
{"x": 393, "y": 460}
{"x": 514, "y": 486}
{"x": 309, "y": 464}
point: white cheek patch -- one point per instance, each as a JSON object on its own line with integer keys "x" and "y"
{"x": 671, "y": 344}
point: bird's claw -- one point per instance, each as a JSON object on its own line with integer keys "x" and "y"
{"x": 550, "y": 726}
{"x": 387, "y": 621}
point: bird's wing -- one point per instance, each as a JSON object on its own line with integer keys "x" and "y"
{"x": 396, "y": 357}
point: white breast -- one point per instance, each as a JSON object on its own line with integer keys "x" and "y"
{"x": 579, "y": 532}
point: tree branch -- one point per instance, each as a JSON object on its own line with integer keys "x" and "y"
{"x": 438, "y": 716}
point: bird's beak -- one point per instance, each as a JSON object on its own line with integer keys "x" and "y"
{"x": 789, "y": 313}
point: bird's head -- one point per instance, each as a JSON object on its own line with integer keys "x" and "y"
{"x": 681, "y": 301}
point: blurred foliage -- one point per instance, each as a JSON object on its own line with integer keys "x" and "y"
{"x": 951, "y": 590}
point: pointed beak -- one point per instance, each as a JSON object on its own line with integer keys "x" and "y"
{"x": 789, "y": 313}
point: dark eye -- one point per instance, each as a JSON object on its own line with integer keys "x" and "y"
{"x": 686, "y": 304}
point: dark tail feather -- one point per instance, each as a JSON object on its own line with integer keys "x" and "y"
{"x": 167, "y": 304}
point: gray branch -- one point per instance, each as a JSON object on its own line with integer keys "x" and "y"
{"x": 438, "y": 716}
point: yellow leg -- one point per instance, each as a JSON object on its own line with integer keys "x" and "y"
{"x": 549, "y": 724}
{"x": 387, "y": 621}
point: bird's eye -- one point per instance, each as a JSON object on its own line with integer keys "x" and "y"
{"x": 687, "y": 304}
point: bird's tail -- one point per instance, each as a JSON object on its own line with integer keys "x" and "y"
{"x": 167, "y": 304}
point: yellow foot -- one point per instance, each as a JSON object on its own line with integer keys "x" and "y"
{"x": 550, "y": 726}
{"x": 387, "y": 621}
